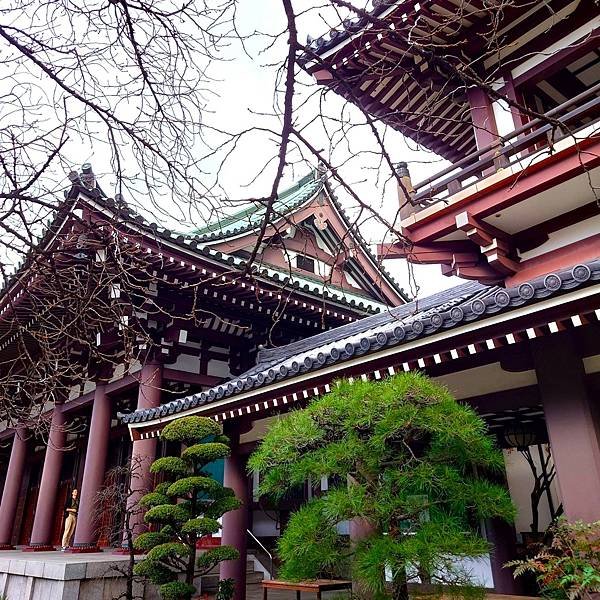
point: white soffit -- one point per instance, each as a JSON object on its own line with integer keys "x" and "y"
{"x": 558, "y": 200}
{"x": 485, "y": 379}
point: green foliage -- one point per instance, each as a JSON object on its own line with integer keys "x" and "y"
{"x": 201, "y": 526}
{"x": 149, "y": 539}
{"x": 169, "y": 464}
{"x": 193, "y": 485}
{"x": 190, "y": 430}
{"x": 401, "y": 456}
{"x": 309, "y": 549}
{"x": 569, "y": 568}
{"x": 203, "y": 454}
{"x": 168, "y": 551}
{"x": 154, "y": 499}
{"x": 225, "y": 590}
{"x": 156, "y": 572}
{"x": 209, "y": 558}
{"x": 162, "y": 488}
{"x": 168, "y": 513}
{"x": 177, "y": 590}
{"x": 187, "y": 506}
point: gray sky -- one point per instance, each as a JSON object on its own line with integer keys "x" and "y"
{"x": 241, "y": 96}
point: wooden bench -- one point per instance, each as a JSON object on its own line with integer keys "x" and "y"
{"x": 317, "y": 586}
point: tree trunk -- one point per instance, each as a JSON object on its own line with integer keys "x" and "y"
{"x": 191, "y": 566}
{"x": 399, "y": 585}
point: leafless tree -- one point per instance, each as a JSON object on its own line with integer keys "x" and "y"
{"x": 139, "y": 80}
{"x": 115, "y": 515}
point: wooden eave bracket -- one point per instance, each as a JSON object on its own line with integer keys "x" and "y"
{"x": 496, "y": 245}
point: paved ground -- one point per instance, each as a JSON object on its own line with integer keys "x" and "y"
{"x": 254, "y": 590}
{"x": 61, "y": 557}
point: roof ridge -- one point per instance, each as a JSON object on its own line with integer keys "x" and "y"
{"x": 210, "y": 231}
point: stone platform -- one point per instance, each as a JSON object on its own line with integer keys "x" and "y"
{"x": 63, "y": 576}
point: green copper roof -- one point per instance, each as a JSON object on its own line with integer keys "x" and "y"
{"x": 251, "y": 217}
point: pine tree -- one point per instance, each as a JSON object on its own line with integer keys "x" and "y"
{"x": 403, "y": 457}
{"x": 186, "y": 506}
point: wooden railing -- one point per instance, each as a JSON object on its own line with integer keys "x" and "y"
{"x": 506, "y": 150}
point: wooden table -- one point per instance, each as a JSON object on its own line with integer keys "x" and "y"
{"x": 316, "y": 586}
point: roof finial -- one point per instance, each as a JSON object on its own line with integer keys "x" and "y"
{"x": 87, "y": 176}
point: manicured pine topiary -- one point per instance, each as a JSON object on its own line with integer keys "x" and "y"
{"x": 405, "y": 461}
{"x": 184, "y": 508}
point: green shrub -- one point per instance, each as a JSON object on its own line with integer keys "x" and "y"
{"x": 177, "y": 590}
{"x": 401, "y": 456}
{"x": 154, "y": 499}
{"x": 187, "y": 507}
{"x": 167, "y": 551}
{"x": 190, "y": 430}
{"x": 201, "y": 526}
{"x": 209, "y": 558}
{"x": 167, "y": 513}
{"x": 205, "y": 453}
{"x": 169, "y": 464}
{"x": 225, "y": 590}
{"x": 155, "y": 571}
{"x": 146, "y": 541}
{"x": 569, "y": 567}
{"x": 193, "y": 485}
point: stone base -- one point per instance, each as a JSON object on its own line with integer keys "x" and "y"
{"x": 126, "y": 552}
{"x": 39, "y": 548}
{"x": 63, "y": 576}
{"x": 82, "y": 549}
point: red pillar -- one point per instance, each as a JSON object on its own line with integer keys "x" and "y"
{"x": 482, "y": 116}
{"x": 93, "y": 474}
{"x": 46, "y": 508}
{"x": 360, "y": 528}
{"x": 235, "y": 522}
{"x": 12, "y": 485}
{"x": 144, "y": 451}
{"x": 572, "y": 425}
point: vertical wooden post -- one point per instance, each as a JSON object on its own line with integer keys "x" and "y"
{"x": 12, "y": 486}
{"x": 235, "y": 522}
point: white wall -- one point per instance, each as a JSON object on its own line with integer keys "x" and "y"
{"x": 520, "y": 484}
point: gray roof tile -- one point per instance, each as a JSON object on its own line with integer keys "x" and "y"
{"x": 467, "y": 302}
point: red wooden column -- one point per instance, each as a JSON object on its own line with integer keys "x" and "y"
{"x": 482, "y": 116}
{"x": 46, "y": 504}
{"x": 235, "y": 522}
{"x": 360, "y": 528}
{"x": 572, "y": 424}
{"x": 12, "y": 485}
{"x": 144, "y": 451}
{"x": 93, "y": 474}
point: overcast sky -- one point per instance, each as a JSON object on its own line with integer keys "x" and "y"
{"x": 241, "y": 96}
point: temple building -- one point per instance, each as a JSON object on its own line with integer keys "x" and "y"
{"x": 515, "y": 214}
{"x": 199, "y": 321}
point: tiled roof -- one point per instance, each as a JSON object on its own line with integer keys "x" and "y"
{"x": 288, "y": 201}
{"x": 349, "y": 27}
{"x": 292, "y": 198}
{"x": 465, "y": 303}
{"x": 250, "y": 218}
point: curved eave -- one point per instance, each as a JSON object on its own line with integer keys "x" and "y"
{"x": 477, "y": 312}
{"x": 160, "y": 235}
{"x": 251, "y": 222}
